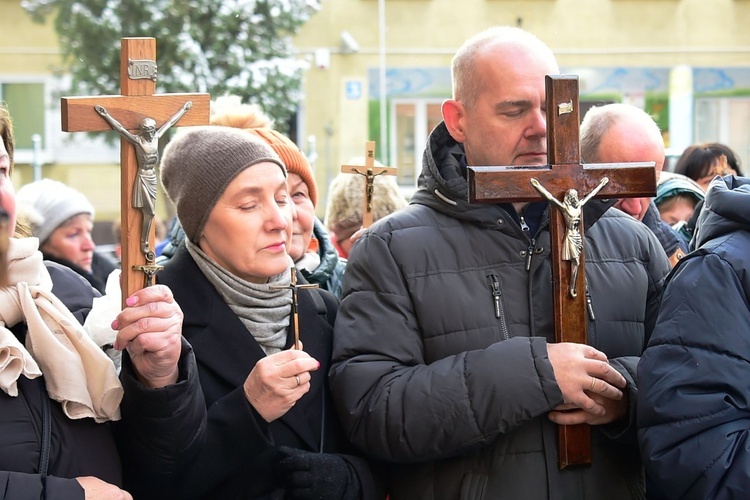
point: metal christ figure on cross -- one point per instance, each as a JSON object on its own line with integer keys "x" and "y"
{"x": 370, "y": 180}
{"x": 138, "y": 179}
{"x": 369, "y": 171}
{"x": 571, "y": 208}
{"x": 146, "y": 144}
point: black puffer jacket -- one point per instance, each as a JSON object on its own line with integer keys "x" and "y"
{"x": 440, "y": 345}
{"x": 694, "y": 402}
{"x": 155, "y": 423}
{"x": 77, "y": 447}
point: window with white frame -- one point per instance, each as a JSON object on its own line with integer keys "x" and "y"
{"x": 25, "y": 102}
{"x": 725, "y": 120}
{"x": 412, "y": 122}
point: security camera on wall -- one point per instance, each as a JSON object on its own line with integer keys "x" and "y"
{"x": 348, "y": 44}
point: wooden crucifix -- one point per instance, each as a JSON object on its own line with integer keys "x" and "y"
{"x": 295, "y": 287}
{"x": 141, "y": 117}
{"x": 369, "y": 171}
{"x": 562, "y": 180}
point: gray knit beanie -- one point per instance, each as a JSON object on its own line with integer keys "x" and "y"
{"x": 199, "y": 163}
{"x": 47, "y": 204}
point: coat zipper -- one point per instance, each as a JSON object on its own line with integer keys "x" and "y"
{"x": 591, "y": 334}
{"x": 497, "y": 301}
{"x": 524, "y": 227}
{"x": 532, "y": 241}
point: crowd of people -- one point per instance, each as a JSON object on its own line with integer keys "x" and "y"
{"x": 281, "y": 356}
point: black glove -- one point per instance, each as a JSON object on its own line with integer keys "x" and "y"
{"x": 316, "y": 476}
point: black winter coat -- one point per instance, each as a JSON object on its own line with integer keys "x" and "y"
{"x": 77, "y": 447}
{"x": 95, "y": 280}
{"x": 440, "y": 346}
{"x": 238, "y": 456}
{"x": 694, "y": 399}
{"x": 155, "y": 422}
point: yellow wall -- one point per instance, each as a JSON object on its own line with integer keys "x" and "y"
{"x": 25, "y": 47}
{"x": 31, "y": 50}
{"x": 425, "y": 33}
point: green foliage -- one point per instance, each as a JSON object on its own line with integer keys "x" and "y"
{"x": 240, "y": 47}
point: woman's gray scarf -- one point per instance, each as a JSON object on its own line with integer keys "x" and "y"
{"x": 262, "y": 308}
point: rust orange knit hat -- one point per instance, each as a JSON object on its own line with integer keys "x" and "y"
{"x": 294, "y": 159}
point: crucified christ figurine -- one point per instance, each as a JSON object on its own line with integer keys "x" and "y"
{"x": 369, "y": 185}
{"x": 571, "y": 208}
{"x": 369, "y": 171}
{"x": 147, "y": 153}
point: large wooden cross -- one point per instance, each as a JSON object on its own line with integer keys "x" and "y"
{"x": 137, "y": 102}
{"x": 369, "y": 171}
{"x": 510, "y": 184}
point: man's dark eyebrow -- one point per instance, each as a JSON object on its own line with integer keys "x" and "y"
{"x": 522, "y": 104}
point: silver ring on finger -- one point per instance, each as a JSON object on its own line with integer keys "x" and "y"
{"x": 296, "y": 377}
{"x": 593, "y": 383}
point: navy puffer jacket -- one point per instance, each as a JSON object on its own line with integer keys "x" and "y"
{"x": 694, "y": 399}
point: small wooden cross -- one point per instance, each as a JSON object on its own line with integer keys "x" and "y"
{"x": 295, "y": 287}
{"x": 369, "y": 171}
{"x": 137, "y": 102}
{"x": 510, "y": 184}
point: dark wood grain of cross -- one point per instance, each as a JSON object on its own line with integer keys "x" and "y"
{"x": 512, "y": 184}
{"x": 295, "y": 287}
{"x": 136, "y": 102}
{"x": 369, "y": 171}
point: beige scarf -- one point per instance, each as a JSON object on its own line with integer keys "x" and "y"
{"x": 76, "y": 371}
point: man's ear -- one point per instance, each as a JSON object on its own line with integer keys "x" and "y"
{"x": 453, "y": 113}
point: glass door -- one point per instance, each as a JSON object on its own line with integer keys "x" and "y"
{"x": 413, "y": 120}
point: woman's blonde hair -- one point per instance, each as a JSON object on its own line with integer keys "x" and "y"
{"x": 6, "y": 132}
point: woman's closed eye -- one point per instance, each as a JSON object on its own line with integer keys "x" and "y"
{"x": 299, "y": 196}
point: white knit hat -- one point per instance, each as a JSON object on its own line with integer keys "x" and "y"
{"x": 47, "y": 204}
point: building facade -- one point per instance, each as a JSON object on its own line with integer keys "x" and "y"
{"x": 687, "y": 62}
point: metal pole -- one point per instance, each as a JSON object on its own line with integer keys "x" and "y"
{"x": 36, "y": 162}
{"x": 382, "y": 150}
